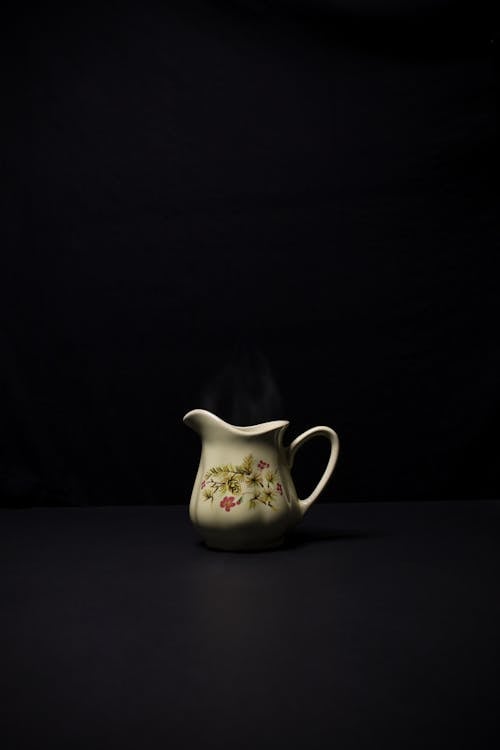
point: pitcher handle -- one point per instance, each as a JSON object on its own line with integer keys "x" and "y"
{"x": 332, "y": 436}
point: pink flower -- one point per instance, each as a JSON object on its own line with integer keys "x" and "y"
{"x": 263, "y": 464}
{"x": 227, "y": 503}
{"x": 203, "y": 484}
{"x": 279, "y": 488}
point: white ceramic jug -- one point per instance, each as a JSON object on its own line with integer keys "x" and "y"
{"x": 243, "y": 496}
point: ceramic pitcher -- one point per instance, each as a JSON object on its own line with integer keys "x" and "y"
{"x": 243, "y": 496}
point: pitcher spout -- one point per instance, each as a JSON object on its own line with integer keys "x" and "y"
{"x": 200, "y": 420}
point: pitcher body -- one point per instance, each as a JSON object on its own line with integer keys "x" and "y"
{"x": 243, "y": 496}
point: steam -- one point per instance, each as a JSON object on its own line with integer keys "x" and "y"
{"x": 243, "y": 391}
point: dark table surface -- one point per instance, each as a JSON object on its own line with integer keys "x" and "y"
{"x": 377, "y": 625}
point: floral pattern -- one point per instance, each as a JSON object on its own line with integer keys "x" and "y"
{"x": 248, "y": 483}
{"x": 227, "y": 503}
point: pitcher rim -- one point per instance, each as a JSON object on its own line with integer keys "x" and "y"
{"x": 254, "y": 429}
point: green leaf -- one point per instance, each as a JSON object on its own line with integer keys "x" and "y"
{"x": 233, "y": 485}
{"x": 246, "y": 465}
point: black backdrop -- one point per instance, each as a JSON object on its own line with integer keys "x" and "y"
{"x": 274, "y": 209}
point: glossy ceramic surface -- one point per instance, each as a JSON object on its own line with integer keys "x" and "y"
{"x": 243, "y": 496}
